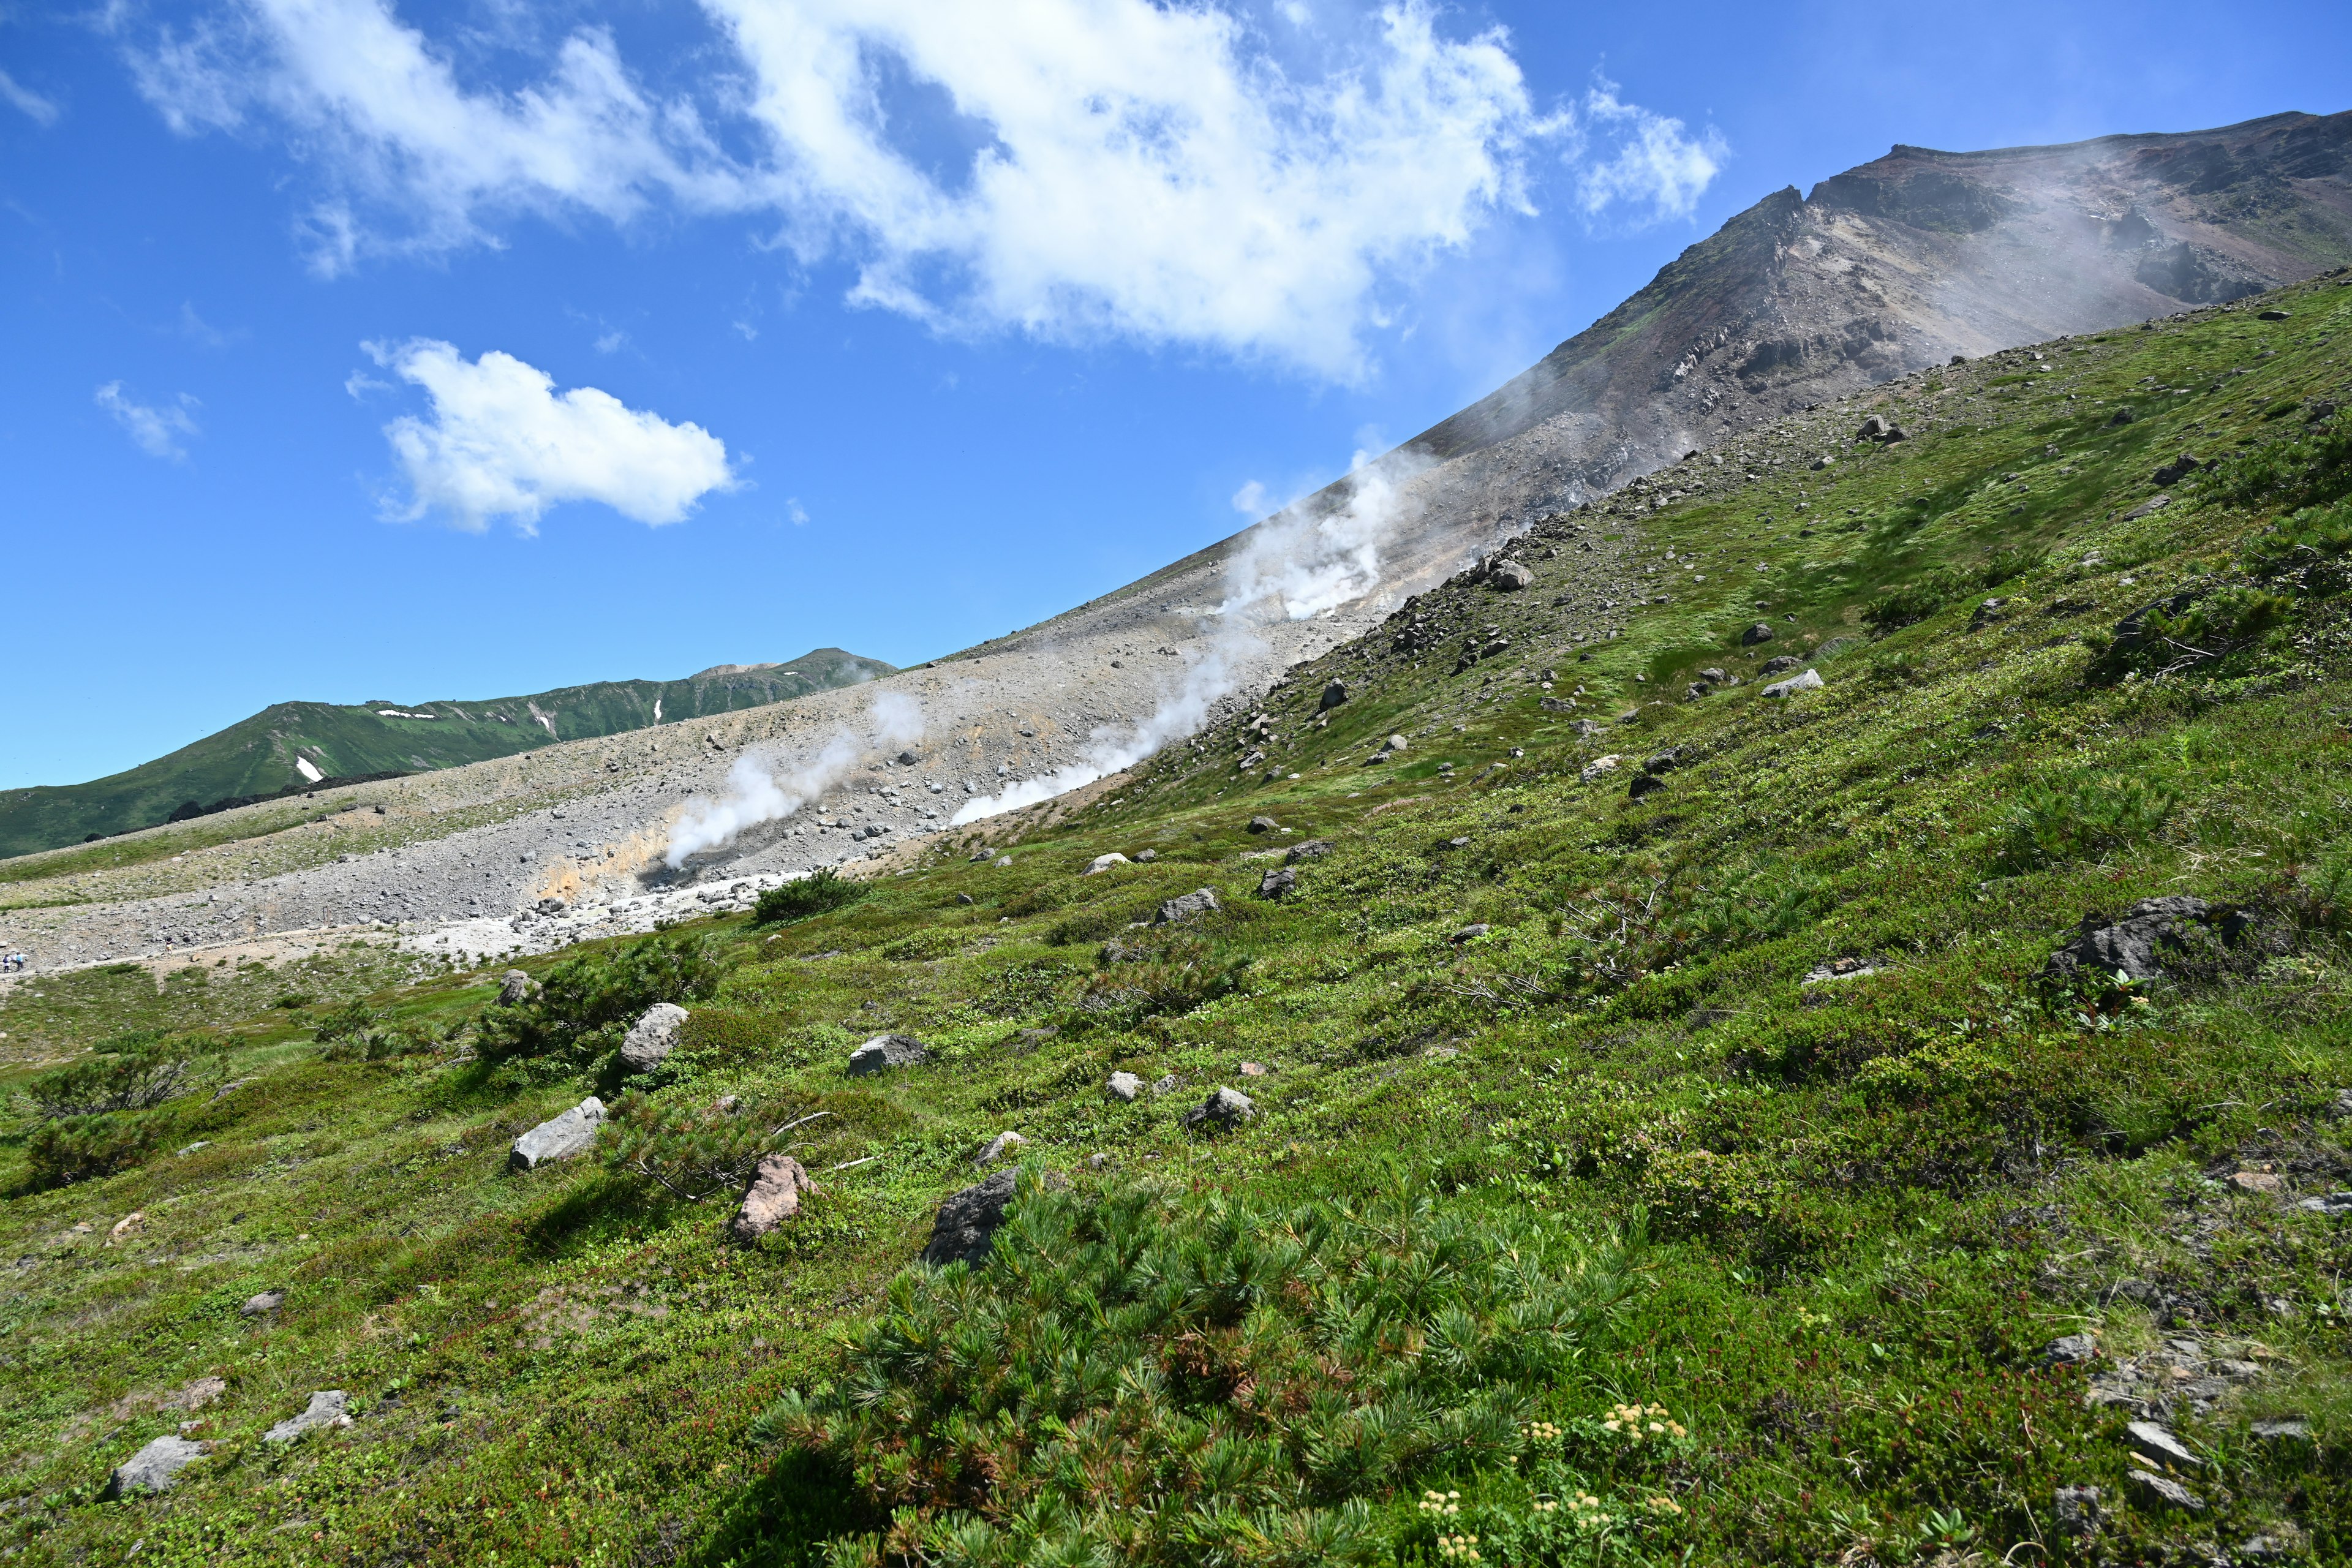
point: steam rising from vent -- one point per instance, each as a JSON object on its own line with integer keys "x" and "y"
{"x": 761, "y": 790}
{"x": 1295, "y": 567}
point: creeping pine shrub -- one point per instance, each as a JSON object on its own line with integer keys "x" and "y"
{"x": 2315, "y": 536}
{"x": 689, "y": 1151}
{"x": 104, "y": 1115}
{"x": 2051, "y": 821}
{"x": 1168, "y": 976}
{"x": 585, "y": 1004}
{"x": 132, "y": 1072}
{"x": 405, "y": 1038}
{"x": 1906, "y": 603}
{"x": 1146, "y": 1380}
{"x": 342, "y": 1023}
{"x": 813, "y": 894}
{"x": 2308, "y": 469}
{"x": 79, "y": 1148}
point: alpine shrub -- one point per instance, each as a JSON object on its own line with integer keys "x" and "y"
{"x": 1149, "y": 1381}
{"x": 584, "y": 1004}
{"x": 141, "y": 1070}
{"x": 813, "y": 894}
{"x": 2052, "y": 823}
{"x": 2310, "y": 470}
{"x": 689, "y": 1151}
{"x": 79, "y": 1148}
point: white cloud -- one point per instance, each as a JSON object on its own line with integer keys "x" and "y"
{"x": 403, "y": 138}
{"x": 42, "y": 111}
{"x": 502, "y": 442}
{"x": 1139, "y": 170}
{"x": 158, "y": 431}
{"x": 1075, "y": 170}
{"x": 1654, "y": 162}
{"x": 1250, "y": 500}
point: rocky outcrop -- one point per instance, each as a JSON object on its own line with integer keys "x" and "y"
{"x": 885, "y": 1052}
{"x": 328, "y": 1408}
{"x": 558, "y": 1137}
{"x": 153, "y": 1469}
{"x": 774, "y": 1197}
{"x": 965, "y": 1228}
{"x": 2138, "y": 945}
{"x": 652, "y": 1037}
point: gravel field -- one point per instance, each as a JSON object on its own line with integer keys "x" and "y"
{"x": 531, "y": 852}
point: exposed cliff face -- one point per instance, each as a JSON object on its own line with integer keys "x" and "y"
{"x": 1906, "y": 261}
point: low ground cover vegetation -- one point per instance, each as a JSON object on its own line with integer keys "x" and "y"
{"x": 1681, "y": 1125}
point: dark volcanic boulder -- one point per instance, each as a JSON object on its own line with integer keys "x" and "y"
{"x": 966, "y": 1227}
{"x": 2138, "y": 945}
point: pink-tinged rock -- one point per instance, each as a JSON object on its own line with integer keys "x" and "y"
{"x": 2257, "y": 1181}
{"x": 774, "y": 1197}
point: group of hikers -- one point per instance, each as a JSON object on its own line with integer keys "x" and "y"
{"x": 12, "y": 961}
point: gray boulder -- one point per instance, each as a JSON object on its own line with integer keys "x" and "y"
{"x": 559, "y": 1137}
{"x": 2163, "y": 1491}
{"x": 1312, "y": 849}
{"x": 1333, "y": 695}
{"x": 154, "y": 1468}
{"x": 330, "y": 1409}
{"x": 1228, "y": 1108}
{"x": 966, "y": 1226}
{"x": 2133, "y": 946}
{"x": 2158, "y": 1444}
{"x": 1200, "y": 901}
{"x": 998, "y": 1147}
{"x": 2076, "y": 1510}
{"x": 261, "y": 1301}
{"x": 1264, "y": 825}
{"x": 884, "y": 1052}
{"x": 1774, "y": 666}
{"x": 1761, "y": 632}
{"x": 652, "y": 1037}
{"x": 1123, "y": 1085}
{"x": 2073, "y": 1349}
{"x": 1510, "y": 575}
{"x": 1278, "y": 883}
{"x": 773, "y": 1196}
{"x": 1811, "y": 680}
{"x": 514, "y": 988}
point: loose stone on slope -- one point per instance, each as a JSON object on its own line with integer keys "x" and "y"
{"x": 652, "y": 1037}
{"x": 774, "y": 1197}
{"x": 153, "y": 1469}
{"x": 559, "y": 1137}
{"x": 328, "y": 1409}
{"x": 884, "y": 1052}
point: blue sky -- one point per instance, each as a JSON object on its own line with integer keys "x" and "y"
{"x": 361, "y": 350}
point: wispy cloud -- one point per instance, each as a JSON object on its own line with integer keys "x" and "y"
{"x": 160, "y": 430}
{"x": 1651, "y": 161}
{"x": 502, "y": 442}
{"x": 42, "y": 111}
{"x": 1073, "y": 170}
{"x": 201, "y": 333}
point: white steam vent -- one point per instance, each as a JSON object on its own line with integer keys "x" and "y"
{"x": 759, "y": 789}
{"x": 1292, "y": 567}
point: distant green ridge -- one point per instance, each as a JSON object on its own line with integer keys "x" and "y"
{"x": 263, "y": 755}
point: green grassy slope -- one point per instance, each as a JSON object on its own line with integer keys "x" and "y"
{"x": 256, "y": 756}
{"x": 1550, "y": 1123}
